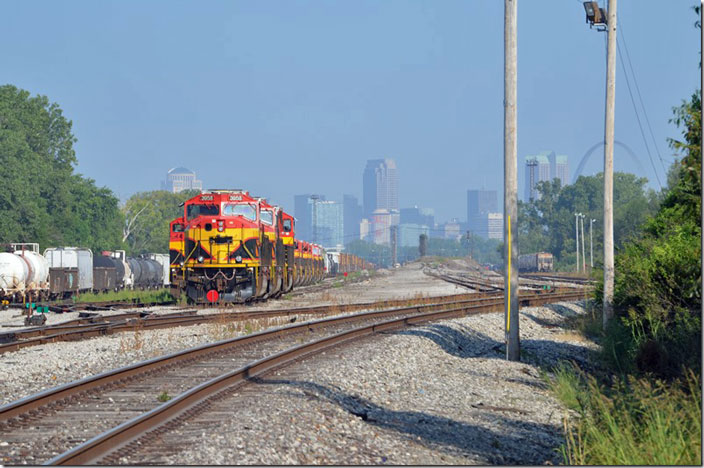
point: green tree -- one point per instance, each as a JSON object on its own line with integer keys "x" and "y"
{"x": 146, "y": 219}
{"x": 657, "y": 294}
{"x": 41, "y": 199}
{"x": 548, "y": 223}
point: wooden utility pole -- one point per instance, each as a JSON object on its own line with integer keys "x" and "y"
{"x": 394, "y": 245}
{"x": 513, "y": 347}
{"x": 584, "y": 257}
{"x": 609, "y": 164}
{"x": 576, "y": 236}
{"x": 591, "y": 246}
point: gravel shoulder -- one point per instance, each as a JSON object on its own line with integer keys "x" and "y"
{"x": 435, "y": 394}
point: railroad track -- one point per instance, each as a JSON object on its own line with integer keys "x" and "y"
{"x": 103, "y": 418}
{"x": 92, "y": 325}
{"x": 558, "y": 277}
{"x": 475, "y": 284}
{"x": 528, "y": 280}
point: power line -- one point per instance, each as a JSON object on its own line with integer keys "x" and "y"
{"x": 635, "y": 109}
{"x": 635, "y": 81}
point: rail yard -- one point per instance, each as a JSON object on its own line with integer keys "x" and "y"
{"x": 390, "y": 393}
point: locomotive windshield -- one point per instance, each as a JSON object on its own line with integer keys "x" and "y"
{"x": 193, "y": 211}
{"x": 268, "y": 217}
{"x": 287, "y": 225}
{"x": 245, "y": 210}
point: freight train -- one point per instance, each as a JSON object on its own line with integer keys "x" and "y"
{"x": 541, "y": 261}
{"x": 27, "y": 275}
{"x": 230, "y": 246}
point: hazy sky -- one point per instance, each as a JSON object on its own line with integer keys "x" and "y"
{"x": 288, "y": 97}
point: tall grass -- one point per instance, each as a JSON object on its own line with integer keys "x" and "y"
{"x": 160, "y": 295}
{"x": 637, "y": 421}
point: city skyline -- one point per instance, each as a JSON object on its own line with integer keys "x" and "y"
{"x": 295, "y": 87}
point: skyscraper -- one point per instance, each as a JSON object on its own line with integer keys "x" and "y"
{"x": 561, "y": 169}
{"x": 327, "y": 222}
{"x": 543, "y": 167}
{"x": 537, "y": 170}
{"x": 380, "y": 186}
{"x": 352, "y": 216}
{"x": 302, "y": 211}
{"x": 480, "y": 203}
{"x": 416, "y": 215}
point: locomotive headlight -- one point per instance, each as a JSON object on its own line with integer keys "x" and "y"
{"x": 181, "y": 263}
{"x": 221, "y": 225}
{"x": 238, "y": 258}
{"x": 200, "y": 259}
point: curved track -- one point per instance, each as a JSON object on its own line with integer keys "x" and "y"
{"x": 38, "y": 423}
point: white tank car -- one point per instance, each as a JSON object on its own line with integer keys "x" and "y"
{"x": 13, "y": 272}
{"x": 38, "y": 274}
{"x": 23, "y": 272}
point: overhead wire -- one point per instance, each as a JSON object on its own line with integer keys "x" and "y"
{"x": 635, "y": 109}
{"x": 645, "y": 113}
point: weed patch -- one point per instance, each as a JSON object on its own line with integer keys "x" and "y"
{"x": 161, "y": 295}
{"x": 635, "y": 421}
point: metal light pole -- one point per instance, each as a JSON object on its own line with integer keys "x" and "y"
{"x": 513, "y": 352}
{"x": 609, "y": 165}
{"x": 584, "y": 257}
{"x": 576, "y": 236}
{"x": 591, "y": 245}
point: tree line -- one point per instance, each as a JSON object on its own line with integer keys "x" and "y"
{"x": 43, "y": 199}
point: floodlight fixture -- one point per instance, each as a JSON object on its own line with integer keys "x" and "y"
{"x": 595, "y": 16}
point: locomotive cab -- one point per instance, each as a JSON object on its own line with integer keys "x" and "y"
{"x": 222, "y": 247}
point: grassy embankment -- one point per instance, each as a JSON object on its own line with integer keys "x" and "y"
{"x": 627, "y": 418}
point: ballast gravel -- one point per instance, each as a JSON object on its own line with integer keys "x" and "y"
{"x": 441, "y": 393}
{"x": 435, "y": 394}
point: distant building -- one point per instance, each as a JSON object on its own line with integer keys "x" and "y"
{"x": 327, "y": 223}
{"x": 179, "y": 179}
{"x": 408, "y": 234}
{"x": 479, "y": 204}
{"x": 452, "y": 230}
{"x": 303, "y": 212}
{"x": 559, "y": 169}
{"x": 365, "y": 229}
{"x": 537, "y": 170}
{"x": 495, "y": 226}
{"x": 382, "y": 221}
{"x": 380, "y": 186}
{"x": 545, "y": 166}
{"x": 415, "y": 215}
{"x": 352, "y": 215}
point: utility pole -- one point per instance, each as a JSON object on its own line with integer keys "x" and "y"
{"x": 576, "y": 236}
{"x": 584, "y": 257}
{"x": 513, "y": 346}
{"x": 609, "y": 164}
{"x": 394, "y": 239}
{"x": 591, "y": 246}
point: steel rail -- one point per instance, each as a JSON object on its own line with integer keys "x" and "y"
{"x": 189, "y": 402}
{"x": 93, "y": 326}
{"x": 57, "y": 394}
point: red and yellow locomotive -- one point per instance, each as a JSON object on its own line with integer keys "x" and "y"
{"x": 231, "y": 247}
